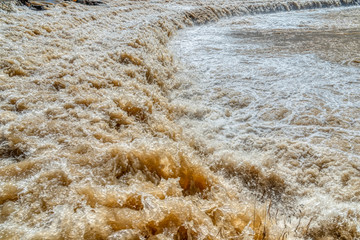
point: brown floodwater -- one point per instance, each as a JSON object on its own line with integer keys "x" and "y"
{"x": 129, "y": 120}
{"x": 280, "y": 92}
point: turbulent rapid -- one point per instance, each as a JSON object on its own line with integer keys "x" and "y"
{"x": 280, "y": 92}
{"x": 167, "y": 120}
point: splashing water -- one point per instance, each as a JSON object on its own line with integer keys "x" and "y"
{"x": 94, "y": 146}
{"x": 285, "y": 88}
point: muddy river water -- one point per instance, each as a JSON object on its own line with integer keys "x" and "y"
{"x": 167, "y": 120}
{"x": 284, "y": 75}
{"x": 259, "y": 85}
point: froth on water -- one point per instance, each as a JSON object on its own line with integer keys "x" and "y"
{"x": 101, "y": 139}
{"x": 281, "y": 92}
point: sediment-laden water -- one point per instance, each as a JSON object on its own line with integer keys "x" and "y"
{"x": 244, "y": 128}
{"x": 280, "y": 91}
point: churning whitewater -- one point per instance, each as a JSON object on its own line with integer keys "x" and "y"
{"x": 165, "y": 120}
{"x": 282, "y": 88}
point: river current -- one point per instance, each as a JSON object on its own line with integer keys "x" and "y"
{"x": 165, "y": 119}
{"x": 281, "y": 91}
{"x": 284, "y": 75}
